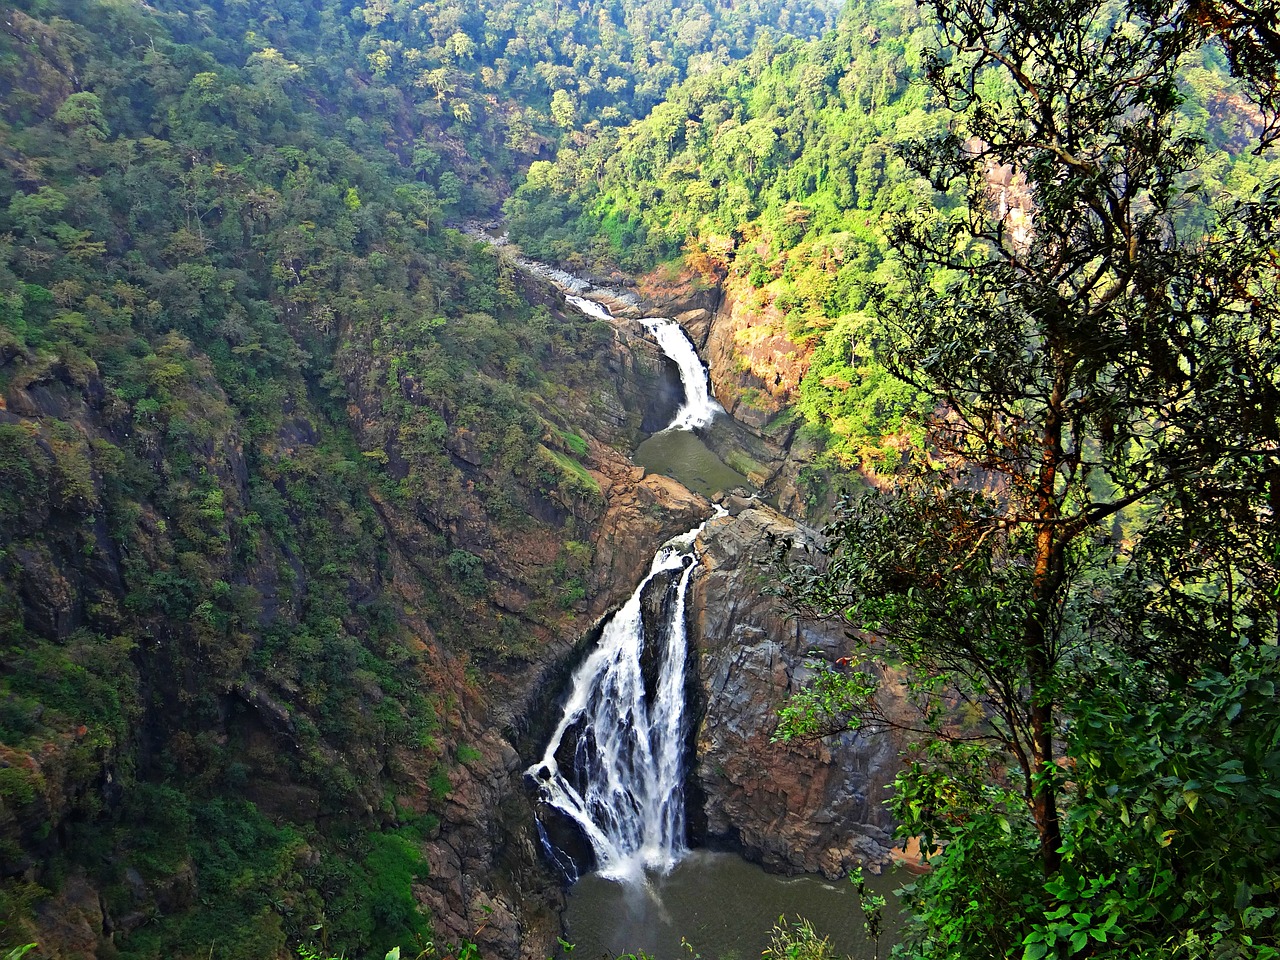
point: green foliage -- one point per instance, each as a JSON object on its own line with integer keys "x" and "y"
{"x": 779, "y": 175}
{"x": 1168, "y": 840}
{"x": 467, "y": 754}
{"x": 260, "y": 885}
{"x": 17, "y": 900}
{"x": 829, "y": 704}
{"x": 243, "y": 365}
{"x": 785, "y": 167}
{"x": 1170, "y": 847}
{"x": 797, "y": 940}
{"x": 577, "y": 446}
{"x": 872, "y": 906}
{"x": 982, "y": 845}
{"x": 22, "y": 468}
{"x": 374, "y": 902}
{"x": 468, "y": 572}
{"x": 1057, "y": 577}
{"x": 601, "y": 63}
{"x": 245, "y": 863}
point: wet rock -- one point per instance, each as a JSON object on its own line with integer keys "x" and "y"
{"x": 51, "y": 601}
{"x": 810, "y": 807}
{"x": 656, "y": 608}
{"x": 644, "y": 512}
{"x": 485, "y": 881}
{"x": 682, "y": 296}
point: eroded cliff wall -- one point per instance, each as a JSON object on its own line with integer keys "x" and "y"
{"x": 795, "y": 807}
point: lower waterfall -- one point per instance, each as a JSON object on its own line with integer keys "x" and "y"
{"x": 614, "y": 765}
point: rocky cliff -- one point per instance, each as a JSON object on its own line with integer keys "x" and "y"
{"x": 797, "y": 807}
{"x": 800, "y": 807}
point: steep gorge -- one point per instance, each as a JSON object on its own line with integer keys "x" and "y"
{"x": 798, "y": 807}
{"x": 483, "y": 878}
{"x": 305, "y": 501}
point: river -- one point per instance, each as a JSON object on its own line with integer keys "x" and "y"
{"x": 612, "y": 774}
{"x": 722, "y": 907}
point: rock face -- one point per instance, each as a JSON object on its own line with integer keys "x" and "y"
{"x": 485, "y": 881}
{"x": 799, "y": 807}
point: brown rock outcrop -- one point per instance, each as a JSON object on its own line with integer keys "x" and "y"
{"x": 797, "y": 807}
{"x": 644, "y": 512}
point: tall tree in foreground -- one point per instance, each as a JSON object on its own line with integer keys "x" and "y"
{"x": 1085, "y": 569}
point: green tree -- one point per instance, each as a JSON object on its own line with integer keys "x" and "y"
{"x": 83, "y": 112}
{"x": 563, "y": 110}
{"x": 1103, "y": 464}
{"x": 1250, "y": 35}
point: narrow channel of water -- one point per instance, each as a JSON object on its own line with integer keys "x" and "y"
{"x": 614, "y": 765}
{"x": 722, "y": 907}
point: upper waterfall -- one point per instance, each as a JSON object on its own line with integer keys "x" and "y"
{"x": 699, "y": 407}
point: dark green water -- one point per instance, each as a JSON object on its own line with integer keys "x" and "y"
{"x": 722, "y": 906}
{"x": 681, "y": 455}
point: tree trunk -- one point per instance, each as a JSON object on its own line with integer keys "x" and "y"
{"x": 1047, "y": 578}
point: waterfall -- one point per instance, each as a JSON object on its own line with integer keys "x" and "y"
{"x": 621, "y": 780}
{"x": 699, "y": 407}
{"x": 614, "y": 765}
{"x": 589, "y": 307}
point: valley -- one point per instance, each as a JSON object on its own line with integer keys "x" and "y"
{"x": 358, "y": 357}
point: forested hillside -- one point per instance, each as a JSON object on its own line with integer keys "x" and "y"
{"x": 303, "y": 493}
{"x": 780, "y": 175}
{"x": 568, "y": 65}
{"x": 289, "y": 472}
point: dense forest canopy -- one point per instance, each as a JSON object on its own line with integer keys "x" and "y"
{"x": 1075, "y": 580}
{"x": 780, "y": 174}
{"x": 572, "y": 65}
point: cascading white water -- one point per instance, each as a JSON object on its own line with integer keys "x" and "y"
{"x": 565, "y": 281}
{"x": 589, "y": 307}
{"x": 624, "y": 785}
{"x": 699, "y": 407}
{"x": 614, "y": 765}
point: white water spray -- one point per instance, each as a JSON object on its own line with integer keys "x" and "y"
{"x": 622, "y": 745}
{"x": 624, "y": 783}
{"x": 699, "y": 407}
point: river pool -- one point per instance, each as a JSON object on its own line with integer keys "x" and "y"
{"x": 680, "y": 454}
{"x": 722, "y": 906}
